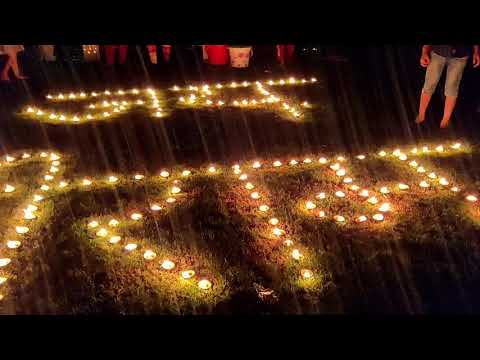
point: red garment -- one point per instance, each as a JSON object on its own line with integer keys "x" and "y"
{"x": 285, "y": 53}
{"x": 110, "y": 53}
{"x": 152, "y": 52}
{"x": 166, "y": 49}
{"x": 217, "y": 54}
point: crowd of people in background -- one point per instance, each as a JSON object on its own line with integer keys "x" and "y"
{"x": 236, "y": 56}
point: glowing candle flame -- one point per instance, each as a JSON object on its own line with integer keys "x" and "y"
{"x": 155, "y": 207}
{"x": 439, "y": 148}
{"x": 455, "y": 189}
{"x": 413, "y": 163}
{"x": 384, "y": 190}
{"x": 243, "y": 177}
{"x": 307, "y": 274}
{"x": 277, "y": 232}
{"x": 293, "y": 162}
{"x": 432, "y": 175}
{"x": 362, "y": 218}
{"x": 382, "y": 153}
{"x": 175, "y": 190}
{"x": 273, "y": 221}
{"x": 307, "y": 161}
{"x": 364, "y": 193}
{"x": 403, "y": 186}
{"x": 25, "y": 156}
{"x": 168, "y": 265}
{"x": 340, "y": 194}
{"x": 373, "y": 200}
{"x": 321, "y": 213}
{"x": 112, "y": 179}
{"x": 37, "y": 198}
{"x": 471, "y": 198}
{"x": 256, "y": 165}
{"x": 186, "y": 172}
{"x": 4, "y": 262}
{"x": 424, "y": 184}
{"x": 13, "y": 244}
{"x": 310, "y": 205}
{"x": 296, "y": 254}
{"x": 171, "y": 200}
{"x": 421, "y": 169}
{"x": 361, "y": 157}
{"x": 102, "y": 232}
{"x": 456, "y": 146}
{"x": 443, "y": 181}
{"x": 322, "y": 160}
{"x": 113, "y": 223}
{"x": 136, "y": 216}
{"x": 31, "y": 207}
{"x": 249, "y": 186}
{"x": 130, "y": 247}
{"x": 138, "y": 177}
{"x": 188, "y": 274}
{"x": 277, "y": 163}
{"x": 339, "y": 218}
{"x": 263, "y": 208}
{"x": 255, "y": 195}
{"x": 9, "y": 158}
{"x": 321, "y": 196}
{"x": 347, "y": 180}
{"x": 355, "y": 187}
{"x": 9, "y": 188}
{"x": 164, "y": 174}
{"x": 378, "y": 217}
{"x": 28, "y": 215}
{"x": 335, "y": 166}
{"x": 86, "y": 182}
{"x": 114, "y": 239}
{"x": 93, "y": 224}
{"x": 403, "y": 157}
{"x": 385, "y": 207}
{"x": 204, "y": 284}
{"x": 44, "y": 187}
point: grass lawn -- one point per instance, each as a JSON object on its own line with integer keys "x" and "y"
{"x": 293, "y": 237}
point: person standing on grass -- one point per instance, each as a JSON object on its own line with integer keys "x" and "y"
{"x": 435, "y": 58}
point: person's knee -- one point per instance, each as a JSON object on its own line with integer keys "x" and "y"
{"x": 451, "y": 90}
{"x": 452, "y": 86}
{"x": 429, "y": 87}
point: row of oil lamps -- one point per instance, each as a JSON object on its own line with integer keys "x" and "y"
{"x": 148, "y": 254}
{"x": 135, "y": 91}
{"x": 30, "y": 211}
{"x": 276, "y": 230}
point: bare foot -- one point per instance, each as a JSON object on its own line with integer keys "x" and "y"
{"x": 444, "y": 123}
{"x": 420, "y": 119}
